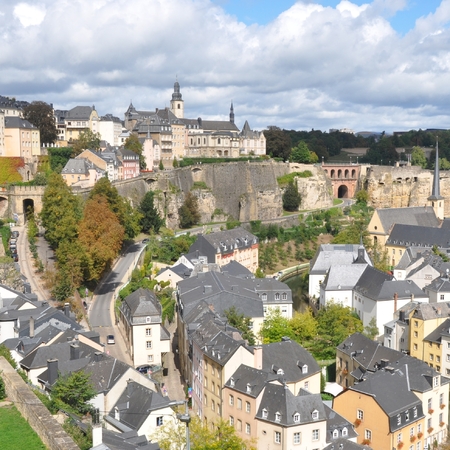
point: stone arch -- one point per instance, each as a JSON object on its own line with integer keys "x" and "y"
{"x": 196, "y": 169}
{"x": 3, "y": 206}
{"x": 27, "y": 203}
{"x": 326, "y": 171}
{"x": 353, "y": 173}
{"x": 333, "y": 173}
{"x": 346, "y": 173}
{"x": 339, "y": 173}
{"x": 343, "y": 191}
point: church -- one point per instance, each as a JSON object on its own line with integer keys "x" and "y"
{"x": 179, "y": 137}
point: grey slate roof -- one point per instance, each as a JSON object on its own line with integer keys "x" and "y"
{"x": 335, "y": 422}
{"x": 80, "y": 113}
{"x": 440, "y": 284}
{"x": 129, "y": 440}
{"x": 17, "y": 122}
{"x": 290, "y": 357}
{"x": 428, "y": 311}
{"x": 426, "y": 236}
{"x": 437, "y": 333}
{"x": 343, "y": 276}
{"x": 140, "y": 304}
{"x": 236, "y": 269}
{"x": 328, "y": 255}
{"x": 77, "y": 166}
{"x": 135, "y": 404}
{"x": 344, "y": 444}
{"x": 247, "y": 376}
{"x": 277, "y": 398}
{"x": 221, "y": 347}
{"x": 413, "y": 215}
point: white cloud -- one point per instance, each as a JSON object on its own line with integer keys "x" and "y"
{"x": 29, "y": 15}
{"x": 312, "y": 66}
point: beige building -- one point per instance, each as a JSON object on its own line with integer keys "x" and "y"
{"x": 71, "y": 123}
{"x": 21, "y": 138}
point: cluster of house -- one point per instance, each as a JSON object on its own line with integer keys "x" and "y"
{"x": 164, "y": 134}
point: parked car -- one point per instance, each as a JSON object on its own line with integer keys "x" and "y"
{"x": 110, "y": 339}
{"x": 15, "y": 234}
{"x": 148, "y": 368}
{"x": 145, "y": 241}
{"x": 16, "y": 257}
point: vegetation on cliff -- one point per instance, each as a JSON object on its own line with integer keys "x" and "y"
{"x": 291, "y": 197}
{"x": 189, "y": 213}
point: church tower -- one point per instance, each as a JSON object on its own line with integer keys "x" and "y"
{"x": 231, "y": 113}
{"x": 435, "y": 199}
{"x": 177, "y": 103}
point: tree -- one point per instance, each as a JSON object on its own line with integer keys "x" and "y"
{"x": 58, "y": 157}
{"x": 275, "y": 327}
{"x": 100, "y": 236}
{"x": 134, "y": 144}
{"x": 242, "y": 323}
{"x": 61, "y": 211}
{"x": 40, "y": 114}
{"x": 189, "y": 213}
{"x": 302, "y": 154}
{"x": 9, "y": 276}
{"x": 175, "y": 163}
{"x": 371, "y": 330}
{"x": 161, "y": 165}
{"x": 304, "y": 326}
{"x": 74, "y": 390}
{"x": 278, "y": 143}
{"x": 87, "y": 140}
{"x": 291, "y": 197}
{"x": 418, "y": 157}
{"x": 362, "y": 196}
{"x": 150, "y": 219}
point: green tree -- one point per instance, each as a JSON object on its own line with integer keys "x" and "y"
{"x": 134, "y": 144}
{"x": 61, "y": 211}
{"x": 150, "y": 220}
{"x": 418, "y": 157}
{"x": 87, "y": 140}
{"x": 58, "y": 157}
{"x": 2, "y": 389}
{"x": 304, "y": 326}
{"x": 161, "y": 165}
{"x": 100, "y": 236}
{"x": 242, "y": 323}
{"x": 74, "y": 391}
{"x": 362, "y": 196}
{"x": 278, "y": 143}
{"x": 275, "y": 327}
{"x": 189, "y": 213}
{"x": 301, "y": 153}
{"x": 175, "y": 163}
{"x": 40, "y": 114}
{"x": 291, "y": 197}
{"x": 371, "y": 330}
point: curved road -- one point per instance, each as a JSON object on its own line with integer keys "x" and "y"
{"x": 101, "y": 313}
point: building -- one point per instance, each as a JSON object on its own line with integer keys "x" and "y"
{"x": 130, "y": 163}
{"x": 76, "y": 121}
{"x": 231, "y": 245}
{"x": 110, "y": 129}
{"x": 81, "y": 172}
{"x": 21, "y": 138}
{"x": 140, "y": 322}
{"x": 439, "y": 289}
{"x": 397, "y": 331}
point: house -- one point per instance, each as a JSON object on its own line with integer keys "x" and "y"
{"x": 77, "y": 120}
{"x": 81, "y": 172}
{"x": 397, "y": 331}
{"x": 140, "y": 322}
{"x": 327, "y": 256}
{"x": 110, "y": 128}
{"x": 224, "y": 246}
{"x": 439, "y": 289}
{"x": 21, "y": 138}
{"x": 173, "y": 275}
{"x": 103, "y": 439}
{"x": 130, "y": 163}
{"x": 139, "y": 409}
{"x": 377, "y": 296}
{"x": 383, "y": 220}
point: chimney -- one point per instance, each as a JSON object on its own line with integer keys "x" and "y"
{"x": 98, "y": 356}
{"x": 74, "y": 352}
{"x": 257, "y": 357}
{"x": 395, "y": 301}
{"x": 52, "y": 368}
{"x": 31, "y": 327}
{"x": 67, "y": 309}
{"x": 384, "y": 363}
{"x": 97, "y": 432}
{"x": 129, "y": 387}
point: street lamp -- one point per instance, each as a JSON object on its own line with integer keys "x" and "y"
{"x": 185, "y": 418}
{"x": 322, "y": 160}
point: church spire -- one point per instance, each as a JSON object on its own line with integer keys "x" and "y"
{"x": 437, "y": 201}
{"x": 231, "y": 112}
{"x": 177, "y": 103}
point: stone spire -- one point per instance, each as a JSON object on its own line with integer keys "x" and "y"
{"x": 177, "y": 103}
{"x": 436, "y": 200}
{"x": 232, "y": 113}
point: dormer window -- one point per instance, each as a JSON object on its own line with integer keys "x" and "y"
{"x": 435, "y": 381}
{"x": 305, "y": 368}
{"x": 415, "y": 411}
{"x": 315, "y": 414}
{"x": 284, "y": 296}
{"x": 344, "y": 431}
{"x": 265, "y": 413}
{"x": 232, "y": 382}
{"x": 407, "y": 415}
{"x": 264, "y": 297}
{"x": 277, "y": 296}
{"x": 148, "y": 319}
{"x": 399, "y": 419}
{"x": 280, "y": 372}
{"x": 249, "y": 388}
{"x": 277, "y": 416}
{"x": 335, "y": 434}
{"x": 296, "y": 418}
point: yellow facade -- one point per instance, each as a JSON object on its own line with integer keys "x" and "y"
{"x": 419, "y": 329}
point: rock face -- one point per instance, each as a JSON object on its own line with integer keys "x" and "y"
{"x": 396, "y": 187}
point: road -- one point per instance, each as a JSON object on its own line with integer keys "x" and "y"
{"x": 101, "y": 312}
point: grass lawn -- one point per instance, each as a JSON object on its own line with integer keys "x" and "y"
{"x": 15, "y": 432}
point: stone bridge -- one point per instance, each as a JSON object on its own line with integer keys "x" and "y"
{"x": 344, "y": 177}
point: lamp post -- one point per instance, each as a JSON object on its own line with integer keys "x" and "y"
{"x": 322, "y": 160}
{"x": 185, "y": 418}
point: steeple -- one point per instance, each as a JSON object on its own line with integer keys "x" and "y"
{"x": 177, "y": 103}
{"x": 436, "y": 200}
{"x": 231, "y": 112}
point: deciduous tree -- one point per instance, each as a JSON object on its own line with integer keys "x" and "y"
{"x": 278, "y": 143}
{"x": 87, "y": 140}
{"x": 275, "y": 327}
{"x": 40, "y": 114}
{"x": 242, "y": 323}
{"x": 134, "y": 144}
{"x": 418, "y": 157}
{"x": 189, "y": 213}
{"x": 302, "y": 154}
{"x": 9, "y": 276}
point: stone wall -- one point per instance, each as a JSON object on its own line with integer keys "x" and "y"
{"x": 32, "y": 409}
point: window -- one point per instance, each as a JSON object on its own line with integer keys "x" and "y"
{"x": 149, "y": 344}
{"x": 159, "y": 421}
{"x": 231, "y": 420}
{"x": 399, "y": 437}
{"x": 430, "y": 404}
{"x": 249, "y": 388}
{"x": 360, "y": 414}
{"x": 277, "y": 416}
{"x": 284, "y": 296}
{"x": 415, "y": 346}
{"x": 431, "y": 357}
{"x": 419, "y": 428}
{"x": 239, "y": 425}
{"x": 441, "y": 418}
{"x": 315, "y": 435}
{"x": 429, "y": 423}
{"x": 247, "y": 428}
{"x": 315, "y": 415}
{"x": 411, "y": 432}
{"x": 335, "y": 434}
{"x": 306, "y": 385}
{"x": 419, "y": 445}
{"x": 442, "y": 297}
{"x": 150, "y": 358}
{"x": 297, "y": 438}
{"x": 435, "y": 381}
{"x": 416, "y": 323}
{"x": 305, "y": 368}
{"x": 264, "y": 413}
{"x": 277, "y": 296}
{"x": 441, "y": 399}
{"x": 416, "y": 334}
{"x": 231, "y": 400}
{"x": 264, "y": 297}
{"x": 232, "y": 382}
{"x": 239, "y": 403}
{"x": 399, "y": 419}
{"x": 247, "y": 407}
{"x": 296, "y": 417}
{"x": 206, "y": 381}
{"x": 213, "y": 405}
{"x": 407, "y": 415}
{"x": 277, "y": 437}
{"x": 368, "y": 435}
{"x": 148, "y": 331}
{"x": 344, "y": 431}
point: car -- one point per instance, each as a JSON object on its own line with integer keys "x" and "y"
{"x": 110, "y": 339}
{"x": 16, "y": 257}
{"x": 145, "y": 241}
{"x": 15, "y": 234}
{"x": 148, "y": 368}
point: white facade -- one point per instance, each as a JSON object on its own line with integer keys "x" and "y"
{"x": 110, "y": 130}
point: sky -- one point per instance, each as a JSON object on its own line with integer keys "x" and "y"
{"x": 374, "y": 65}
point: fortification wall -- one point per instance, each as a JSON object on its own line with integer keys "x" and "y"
{"x": 32, "y": 409}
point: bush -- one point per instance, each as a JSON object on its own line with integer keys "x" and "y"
{"x": 2, "y": 389}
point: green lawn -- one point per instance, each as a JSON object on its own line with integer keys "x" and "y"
{"x": 16, "y": 433}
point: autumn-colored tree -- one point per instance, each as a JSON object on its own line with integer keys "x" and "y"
{"x": 100, "y": 235}
{"x": 61, "y": 211}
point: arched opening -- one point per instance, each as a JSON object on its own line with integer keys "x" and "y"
{"x": 326, "y": 171}
{"x": 333, "y": 173}
{"x": 28, "y": 207}
{"x": 353, "y": 173}
{"x": 346, "y": 173}
{"x": 3, "y": 206}
{"x": 339, "y": 173}
{"x": 343, "y": 191}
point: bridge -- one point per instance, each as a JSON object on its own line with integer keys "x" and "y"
{"x": 344, "y": 178}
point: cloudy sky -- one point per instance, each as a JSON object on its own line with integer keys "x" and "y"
{"x": 374, "y": 65}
